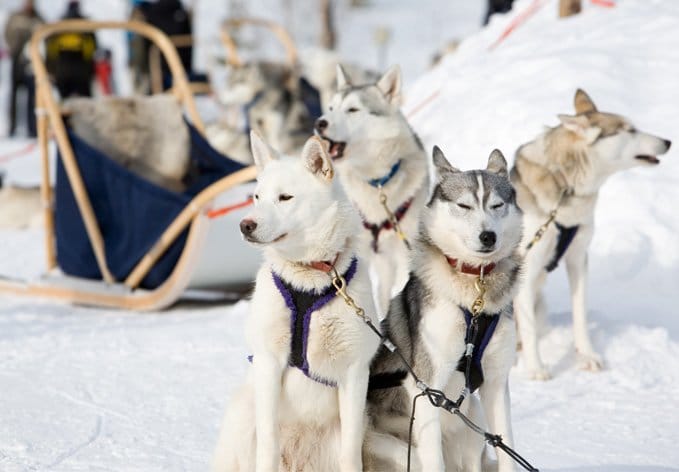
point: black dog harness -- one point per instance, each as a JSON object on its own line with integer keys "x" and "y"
{"x": 302, "y": 305}
{"x": 480, "y": 330}
{"x": 566, "y": 236}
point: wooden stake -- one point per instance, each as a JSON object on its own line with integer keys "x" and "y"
{"x": 569, "y": 7}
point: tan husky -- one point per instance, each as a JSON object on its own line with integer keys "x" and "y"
{"x": 562, "y": 170}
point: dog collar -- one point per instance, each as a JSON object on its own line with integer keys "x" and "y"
{"x": 324, "y": 266}
{"x": 470, "y": 269}
{"x": 382, "y": 181}
{"x": 376, "y": 229}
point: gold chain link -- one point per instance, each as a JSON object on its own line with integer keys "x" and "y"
{"x": 340, "y": 285}
{"x": 392, "y": 217}
{"x": 479, "y": 303}
{"x": 552, "y": 216}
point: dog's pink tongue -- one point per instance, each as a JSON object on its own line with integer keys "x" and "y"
{"x": 335, "y": 150}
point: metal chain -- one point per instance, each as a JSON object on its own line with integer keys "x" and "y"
{"x": 392, "y": 217}
{"x": 479, "y": 303}
{"x": 436, "y": 397}
{"x": 552, "y": 216}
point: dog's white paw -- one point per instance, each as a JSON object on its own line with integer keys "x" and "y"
{"x": 539, "y": 373}
{"x": 590, "y": 361}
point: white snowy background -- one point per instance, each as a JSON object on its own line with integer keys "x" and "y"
{"x": 91, "y": 389}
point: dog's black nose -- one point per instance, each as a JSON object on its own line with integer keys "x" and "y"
{"x": 321, "y": 124}
{"x": 487, "y": 238}
{"x": 668, "y": 143}
{"x": 247, "y": 226}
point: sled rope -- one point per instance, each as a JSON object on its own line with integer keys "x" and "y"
{"x": 552, "y": 216}
{"x": 436, "y": 397}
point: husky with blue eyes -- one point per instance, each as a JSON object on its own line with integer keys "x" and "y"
{"x": 302, "y": 407}
{"x": 459, "y": 293}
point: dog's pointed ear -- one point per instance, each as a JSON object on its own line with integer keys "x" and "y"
{"x": 582, "y": 102}
{"x": 316, "y": 158}
{"x": 343, "y": 80}
{"x": 440, "y": 162}
{"x": 580, "y": 125}
{"x": 576, "y": 124}
{"x": 390, "y": 85}
{"x": 497, "y": 163}
{"x": 262, "y": 153}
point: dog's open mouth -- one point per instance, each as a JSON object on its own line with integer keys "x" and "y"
{"x": 648, "y": 158}
{"x": 336, "y": 149}
{"x": 250, "y": 239}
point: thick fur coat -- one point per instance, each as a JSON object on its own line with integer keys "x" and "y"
{"x": 282, "y": 419}
{"x": 563, "y": 170}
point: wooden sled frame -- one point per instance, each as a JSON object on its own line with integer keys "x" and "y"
{"x": 232, "y": 56}
{"x": 109, "y": 292}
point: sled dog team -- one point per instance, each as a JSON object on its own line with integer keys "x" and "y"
{"x": 450, "y": 263}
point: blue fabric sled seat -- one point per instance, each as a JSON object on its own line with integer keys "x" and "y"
{"x": 132, "y": 213}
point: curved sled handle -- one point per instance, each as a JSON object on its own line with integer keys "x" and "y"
{"x": 181, "y": 85}
{"x": 232, "y": 56}
{"x": 49, "y": 114}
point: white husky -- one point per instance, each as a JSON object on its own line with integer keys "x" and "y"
{"x": 469, "y": 235}
{"x": 374, "y": 148}
{"x": 563, "y": 169}
{"x": 303, "y": 405}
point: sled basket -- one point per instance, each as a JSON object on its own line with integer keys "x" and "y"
{"x": 114, "y": 239}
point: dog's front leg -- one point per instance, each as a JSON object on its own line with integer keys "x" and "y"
{"x": 576, "y": 266}
{"x": 524, "y": 310}
{"x": 496, "y": 404}
{"x": 267, "y": 382}
{"x": 352, "y": 394}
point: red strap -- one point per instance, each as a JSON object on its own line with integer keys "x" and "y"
{"x": 604, "y": 3}
{"x": 228, "y": 209}
{"x": 470, "y": 269}
{"x": 324, "y": 266}
{"x": 18, "y": 153}
{"x": 518, "y": 20}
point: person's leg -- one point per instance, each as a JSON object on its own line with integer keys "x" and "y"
{"x": 13, "y": 100}
{"x": 29, "y": 82}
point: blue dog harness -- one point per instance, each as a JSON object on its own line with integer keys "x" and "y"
{"x": 302, "y": 305}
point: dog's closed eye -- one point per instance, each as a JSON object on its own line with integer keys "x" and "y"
{"x": 352, "y": 110}
{"x": 284, "y": 197}
{"x": 497, "y": 206}
{"x": 464, "y": 207}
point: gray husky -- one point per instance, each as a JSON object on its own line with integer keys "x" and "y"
{"x": 469, "y": 237}
{"x": 377, "y": 155}
{"x": 562, "y": 170}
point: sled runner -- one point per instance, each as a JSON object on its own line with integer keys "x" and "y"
{"x": 118, "y": 240}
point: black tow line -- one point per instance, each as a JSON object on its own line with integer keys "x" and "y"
{"x": 439, "y": 399}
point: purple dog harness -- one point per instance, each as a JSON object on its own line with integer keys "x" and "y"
{"x": 302, "y": 305}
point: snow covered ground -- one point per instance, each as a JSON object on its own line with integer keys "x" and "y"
{"x": 86, "y": 389}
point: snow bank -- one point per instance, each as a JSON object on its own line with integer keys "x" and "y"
{"x": 626, "y": 58}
